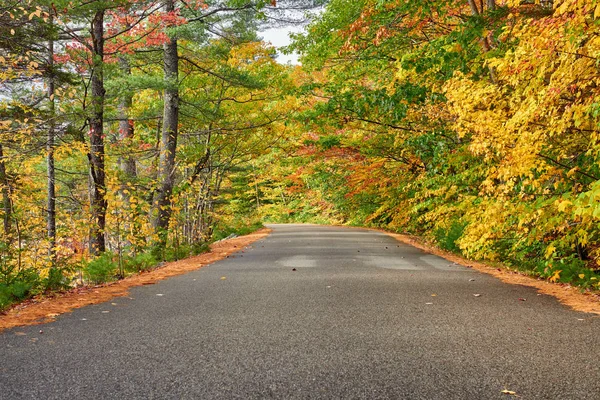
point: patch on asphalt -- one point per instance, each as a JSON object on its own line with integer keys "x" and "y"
{"x": 299, "y": 261}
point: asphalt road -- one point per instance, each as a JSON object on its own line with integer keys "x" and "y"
{"x": 313, "y": 313}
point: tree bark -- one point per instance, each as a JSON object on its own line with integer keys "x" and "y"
{"x": 486, "y": 44}
{"x": 96, "y": 155}
{"x": 474, "y": 9}
{"x": 166, "y": 169}
{"x": 51, "y": 173}
{"x": 6, "y": 203}
{"x": 126, "y": 128}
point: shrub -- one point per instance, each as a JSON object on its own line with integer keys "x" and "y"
{"x": 199, "y": 248}
{"x": 446, "y": 238}
{"x": 101, "y": 269}
{"x": 57, "y": 279}
{"x": 17, "y": 290}
{"x": 141, "y": 262}
{"x": 6, "y": 298}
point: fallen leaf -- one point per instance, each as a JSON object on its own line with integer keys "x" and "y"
{"x": 471, "y": 280}
{"x": 105, "y": 312}
{"x": 113, "y": 304}
{"x": 555, "y": 277}
{"x": 433, "y": 295}
{"x": 428, "y": 303}
{"x": 477, "y": 295}
{"x": 509, "y": 392}
{"x": 159, "y": 294}
{"x": 20, "y": 333}
{"x": 522, "y": 299}
{"x": 223, "y": 278}
{"x": 52, "y": 315}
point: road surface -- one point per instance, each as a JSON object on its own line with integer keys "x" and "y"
{"x": 313, "y": 312}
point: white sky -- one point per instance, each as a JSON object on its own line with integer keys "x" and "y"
{"x": 279, "y": 37}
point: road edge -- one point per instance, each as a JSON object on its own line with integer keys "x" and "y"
{"x": 46, "y": 309}
{"x": 567, "y": 295}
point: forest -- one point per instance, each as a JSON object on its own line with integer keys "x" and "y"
{"x": 134, "y": 132}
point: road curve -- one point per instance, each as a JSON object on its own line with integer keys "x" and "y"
{"x": 313, "y": 312}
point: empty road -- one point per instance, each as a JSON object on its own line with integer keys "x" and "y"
{"x": 313, "y": 312}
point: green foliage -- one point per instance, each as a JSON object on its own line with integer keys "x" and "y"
{"x": 5, "y": 297}
{"x": 185, "y": 250}
{"x": 327, "y": 142}
{"x": 101, "y": 269}
{"x": 173, "y": 253}
{"x": 140, "y": 262}
{"x": 447, "y": 238}
{"x": 19, "y": 288}
{"x": 568, "y": 270}
{"x": 221, "y": 232}
{"x": 58, "y": 278}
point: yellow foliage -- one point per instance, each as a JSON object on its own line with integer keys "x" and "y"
{"x": 556, "y": 276}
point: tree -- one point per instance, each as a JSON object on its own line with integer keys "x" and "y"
{"x": 166, "y": 169}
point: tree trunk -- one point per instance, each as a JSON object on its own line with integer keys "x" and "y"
{"x": 126, "y": 128}
{"x": 474, "y": 9}
{"x": 486, "y": 42}
{"x": 96, "y": 156}
{"x": 6, "y": 203}
{"x": 127, "y": 165}
{"x": 51, "y": 174}
{"x": 166, "y": 168}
